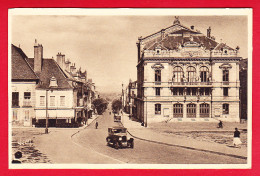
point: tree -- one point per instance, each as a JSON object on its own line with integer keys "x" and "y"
{"x": 100, "y": 105}
{"x": 116, "y": 105}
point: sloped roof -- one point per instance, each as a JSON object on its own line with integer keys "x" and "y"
{"x": 172, "y": 40}
{"x": 51, "y": 69}
{"x": 21, "y": 69}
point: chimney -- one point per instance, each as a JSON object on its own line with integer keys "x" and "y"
{"x": 208, "y": 32}
{"x": 61, "y": 60}
{"x": 38, "y": 56}
{"x": 67, "y": 65}
{"x": 162, "y": 34}
{"x": 192, "y": 27}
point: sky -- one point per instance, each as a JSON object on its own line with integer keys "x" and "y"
{"x": 105, "y": 46}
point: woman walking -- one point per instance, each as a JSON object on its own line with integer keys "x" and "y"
{"x": 236, "y": 140}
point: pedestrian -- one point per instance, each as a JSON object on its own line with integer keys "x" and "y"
{"x": 96, "y": 124}
{"x": 17, "y": 156}
{"x": 236, "y": 140}
{"x": 220, "y": 124}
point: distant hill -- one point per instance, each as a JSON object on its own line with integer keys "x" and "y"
{"x": 110, "y": 96}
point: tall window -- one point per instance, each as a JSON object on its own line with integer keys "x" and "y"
{"x": 177, "y": 74}
{"x": 225, "y": 108}
{"x": 157, "y": 108}
{"x": 191, "y": 91}
{"x": 191, "y": 71}
{"x": 225, "y": 91}
{"x": 204, "y": 91}
{"x": 26, "y": 115}
{"x": 62, "y": 100}
{"x": 204, "y": 74}
{"x": 52, "y": 100}
{"x": 191, "y": 110}
{"x": 178, "y": 110}
{"x": 15, "y": 99}
{"x": 225, "y": 75}
{"x": 204, "y": 110}
{"x": 42, "y": 100}
{"x": 157, "y": 91}
{"x": 157, "y": 75}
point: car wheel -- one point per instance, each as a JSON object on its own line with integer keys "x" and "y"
{"x": 132, "y": 144}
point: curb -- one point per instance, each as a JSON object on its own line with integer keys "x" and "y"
{"x": 84, "y": 127}
{"x": 190, "y": 148}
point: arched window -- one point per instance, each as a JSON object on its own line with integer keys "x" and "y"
{"x": 157, "y": 108}
{"x": 204, "y": 74}
{"x": 178, "y": 110}
{"x": 204, "y": 110}
{"x": 191, "y": 77}
{"x": 177, "y": 74}
{"x": 191, "y": 110}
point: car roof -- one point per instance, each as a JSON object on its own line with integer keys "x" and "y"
{"x": 117, "y": 127}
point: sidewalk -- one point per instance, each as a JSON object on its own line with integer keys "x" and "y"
{"x": 143, "y": 133}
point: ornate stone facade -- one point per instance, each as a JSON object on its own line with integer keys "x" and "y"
{"x": 184, "y": 75}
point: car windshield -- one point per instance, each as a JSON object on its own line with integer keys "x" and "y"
{"x": 119, "y": 130}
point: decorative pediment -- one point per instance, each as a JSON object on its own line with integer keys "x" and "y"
{"x": 225, "y": 66}
{"x": 158, "y": 66}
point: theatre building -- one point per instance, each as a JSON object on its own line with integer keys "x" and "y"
{"x": 184, "y": 75}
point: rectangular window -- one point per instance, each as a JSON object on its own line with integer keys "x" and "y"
{"x": 225, "y": 108}
{"x": 207, "y": 90}
{"x": 62, "y": 100}
{"x": 52, "y": 100}
{"x": 157, "y": 75}
{"x": 15, "y": 99}
{"x": 42, "y": 100}
{"x": 188, "y": 91}
{"x": 225, "y": 75}
{"x": 225, "y": 91}
{"x": 194, "y": 90}
{"x": 180, "y": 91}
{"x": 27, "y": 95}
{"x": 157, "y": 91}
{"x": 27, "y": 99}
{"x": 157, "y": 108}
{"x": 174, "y": 91}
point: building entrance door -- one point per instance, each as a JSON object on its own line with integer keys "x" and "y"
{"x": 191, "y": 110}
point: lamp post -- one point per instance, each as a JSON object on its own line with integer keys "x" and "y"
{"x": 145, "y": 122}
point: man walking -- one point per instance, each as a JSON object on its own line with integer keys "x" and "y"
{"x": 96, "y": 124}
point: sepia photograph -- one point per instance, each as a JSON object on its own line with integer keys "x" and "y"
{"x": 130, "y": 88}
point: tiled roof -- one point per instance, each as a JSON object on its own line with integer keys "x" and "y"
{"x": 21, "y": 69}
{"x": 51, "y": 69}
{"x": 173, "y": 40}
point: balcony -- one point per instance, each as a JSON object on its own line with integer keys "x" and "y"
{"x": 27, "y": 103}
{"x": 190, "y": 84}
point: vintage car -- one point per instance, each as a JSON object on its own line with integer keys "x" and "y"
{"x": 117, "y": 137}
{"x": 117, "y": 118}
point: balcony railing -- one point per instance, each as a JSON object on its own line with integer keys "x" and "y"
{"x": 190, "y": 83}
{"x": 27, "y": 103}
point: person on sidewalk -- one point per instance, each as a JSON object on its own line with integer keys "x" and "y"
{"x": 17, "y": 156}
{"x": 236, "y": 141}
{"x": 96, "y": 124}
{"x": 220, "y": 124}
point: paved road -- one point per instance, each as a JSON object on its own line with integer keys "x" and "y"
{"x": 144, "y": 152}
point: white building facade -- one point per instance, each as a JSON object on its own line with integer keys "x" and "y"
{"x": 184, "y": 75}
